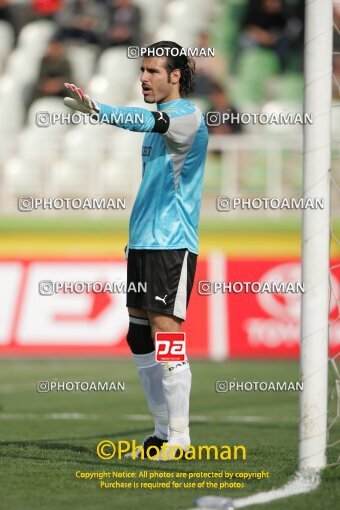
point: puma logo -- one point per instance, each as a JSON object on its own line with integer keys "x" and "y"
{"x": 161, "y": 116}
{"x": 157, "y": 298}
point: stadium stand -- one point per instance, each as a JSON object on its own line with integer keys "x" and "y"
{"x": 57, "y": 157}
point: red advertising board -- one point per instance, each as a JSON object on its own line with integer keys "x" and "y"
{"x": 268, "y": 324}
{"x": 259, "y": 324}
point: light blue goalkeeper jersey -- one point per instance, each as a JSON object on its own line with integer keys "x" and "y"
{"x": 166, "y": 211}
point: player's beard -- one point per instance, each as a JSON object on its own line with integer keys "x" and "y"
{"x": 149, "y": 99}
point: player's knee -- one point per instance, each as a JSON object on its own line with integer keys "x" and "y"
{"x": 139, "y": 336}
{"x": 161, "y": 323}
{"x": 138, "y": 312}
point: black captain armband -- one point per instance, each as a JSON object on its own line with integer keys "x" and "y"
{"x": 162, "y": 121}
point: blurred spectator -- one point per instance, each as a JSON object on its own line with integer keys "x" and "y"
{"x": 55, "y": 70}
{"x": 295, "y": 31}
{"x": 265, "y": 25}
{"x": 46, "y": 8}
{"x": 6, "y": 11}
{"x": 208, "y": 69}
{"x": 124, "y": 24}
{"x": 82, "y": 20}
{"x": 30, "y": 10}
{"x": 220, "y": 103}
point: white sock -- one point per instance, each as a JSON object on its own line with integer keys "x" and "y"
{"x": 177, "y": 385}
{"x": 151, "y": 374}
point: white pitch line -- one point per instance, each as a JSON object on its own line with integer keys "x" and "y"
{"x": 50, "y": 416}
{"x": 138, "y": 417}
{"x": 142, "y": 417}
{"x": 218, "y": 419}
{"x": 303, "y": 482}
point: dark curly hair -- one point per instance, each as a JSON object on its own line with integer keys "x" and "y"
{"x": 177, "y": 61}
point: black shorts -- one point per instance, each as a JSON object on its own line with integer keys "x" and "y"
{"x": 167, "y": 277}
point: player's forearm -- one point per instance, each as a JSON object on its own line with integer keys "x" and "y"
{"x": 132, "y": 118}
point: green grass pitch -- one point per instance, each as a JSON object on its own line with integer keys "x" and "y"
{"x": 47, "y": 437}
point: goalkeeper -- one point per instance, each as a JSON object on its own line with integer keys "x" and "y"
{"x": 163, "y": 241}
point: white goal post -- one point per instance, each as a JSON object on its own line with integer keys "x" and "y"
{"x": 315, "y": 267}
{"x": 316, "y": 235}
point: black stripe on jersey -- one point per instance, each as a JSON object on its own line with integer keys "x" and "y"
{"x": 162, "y": 121}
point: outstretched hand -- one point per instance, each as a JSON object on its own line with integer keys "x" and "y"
{"x": 80, "y": 101}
